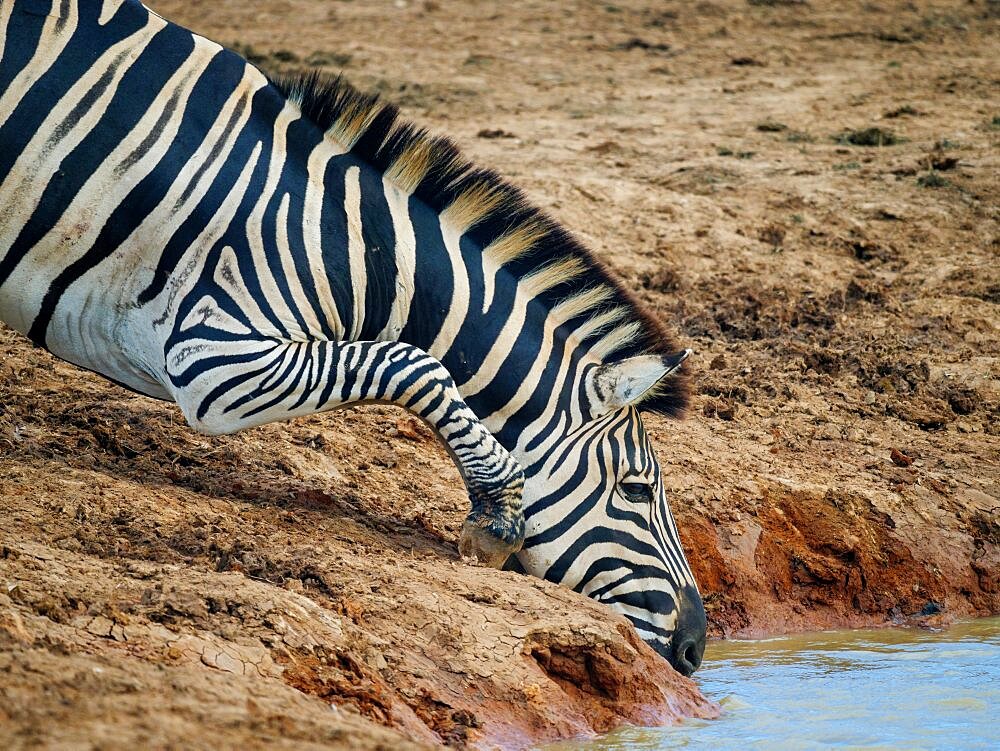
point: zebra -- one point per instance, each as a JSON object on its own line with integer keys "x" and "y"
{"x": 258, "y": 248}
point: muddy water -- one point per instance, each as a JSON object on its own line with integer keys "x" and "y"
{"x": 880, "y": 689}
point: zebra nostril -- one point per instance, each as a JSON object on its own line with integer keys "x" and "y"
{"x": 687, "y": 657}
{"x": 689, "y": 635}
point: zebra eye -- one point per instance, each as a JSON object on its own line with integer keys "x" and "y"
{"x": 637, "y": 492}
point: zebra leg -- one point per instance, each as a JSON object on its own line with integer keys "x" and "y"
{"x": 229, "y": 386}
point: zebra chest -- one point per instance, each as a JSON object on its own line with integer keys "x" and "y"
{"x": 81, "y": 324}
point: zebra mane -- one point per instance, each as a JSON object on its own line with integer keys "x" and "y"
{"x": 496, "y": 216}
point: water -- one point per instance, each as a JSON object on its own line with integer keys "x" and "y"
{"x": 879, "y": 689}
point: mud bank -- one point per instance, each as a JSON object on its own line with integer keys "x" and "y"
{"x": 294, "y": 586}
{"x": 840, "y": 465}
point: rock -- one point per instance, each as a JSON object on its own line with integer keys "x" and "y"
{"x": 386, "y": 457}
{"x": 409, "y": 428}
{"x": 932, "y": 608}
{"x": 900, "y": 476}
{"x": 936, "y": 485}
{"x": 727, "y": 411}
{"x": 900, "y": 459}
{"x": 828, "y": 432}
{"x": 100, "y": 626}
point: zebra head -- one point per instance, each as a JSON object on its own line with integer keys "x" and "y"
{"x": 598, "y": 518}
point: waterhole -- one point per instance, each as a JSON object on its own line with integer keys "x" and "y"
{"x": 872, "y": 689}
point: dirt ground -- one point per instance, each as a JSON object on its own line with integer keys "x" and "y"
{"x": 808, "y": 192}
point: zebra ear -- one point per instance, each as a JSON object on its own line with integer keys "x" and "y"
{"x": 615, "y": 385}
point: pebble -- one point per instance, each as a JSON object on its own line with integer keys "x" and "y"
{"x": 828, "y": 433}
{"x": 854, "y": 435}
{"x": 900, "y": 459}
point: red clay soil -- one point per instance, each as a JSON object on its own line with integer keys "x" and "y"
{"x": 806, "y": 192}
{"x": 158, "y": 584}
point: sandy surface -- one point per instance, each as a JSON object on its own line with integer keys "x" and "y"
{"x": 162, "y": 589}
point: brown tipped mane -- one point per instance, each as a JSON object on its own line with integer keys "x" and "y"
{"x": 495, "y": 214}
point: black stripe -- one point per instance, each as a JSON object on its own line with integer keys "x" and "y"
{"x": 380, "y": 256}
{"x": 433, "y": 278}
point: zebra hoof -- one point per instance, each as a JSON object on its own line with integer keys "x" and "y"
{"x": 476, "y": 542}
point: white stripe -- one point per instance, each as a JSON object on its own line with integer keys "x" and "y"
{"x": 5, "y": 9}
{"x": 108, "y": 10}
{"x": 490, "y": 270}
{"x": 208, "y": 312}
{"x": 406, "y": 260}
{"x": 355, "y": 248}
